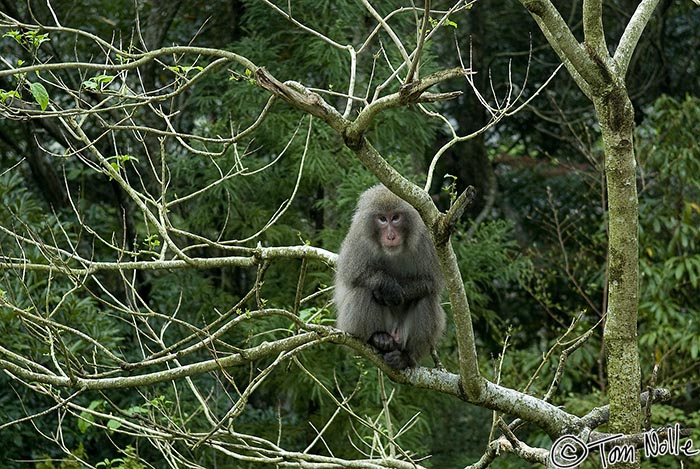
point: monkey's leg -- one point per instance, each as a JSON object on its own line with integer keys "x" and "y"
{"x": 360, "y": 315}
{"x": 424, "y": 324}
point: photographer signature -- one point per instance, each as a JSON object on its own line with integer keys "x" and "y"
{"x": 568, "y": 451}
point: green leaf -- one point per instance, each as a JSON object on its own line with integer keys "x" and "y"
{"x": 8, "y": 94}
{"x": 680, "y": 270}
{"x": 693, "y": 269}
{"x": 125, "y": 158}
{"x": 113, "y": 424}
{"x": 16, "y": 35}
{"x": 694, "y": 350}
{"x": 185, "y": 69}
{"x": 86, "y": 418}
{"x": 90, "y": 85}
{"x": 131, "y": 411}
{"x": 98, "y": 82}
{"x": 41, "y": 96}
{"x": 35, "y": 38}
{"x": 85, "y": 422}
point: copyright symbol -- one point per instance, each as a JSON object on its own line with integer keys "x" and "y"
{"x": 568, "y": 451}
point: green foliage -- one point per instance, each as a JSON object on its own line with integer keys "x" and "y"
{"x": 670, "y": 229}
{"x": 41, "y": 96}
{"x": 31, "y": 40}
{"x": 4, "y": 95}
{"x": 98, "y": 83}
{"x": 560, "y": 226}
{"x": 86, "y": 417}
{"x": 71, "y": 462}
{"x": 492, "y": 266}
{"x": 530, "y": 289}
{"x": 666, "y": 416}
{"x": 118, "y": 161}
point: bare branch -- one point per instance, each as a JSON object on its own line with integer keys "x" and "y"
{"x": 593, "y": 27}
{"x": 408, "y": 94}
{"x": 422, "y": 32}
{"x": 564, "y": 43}
{"x": 394, "y": 37}
{"x": 633, "y": 31}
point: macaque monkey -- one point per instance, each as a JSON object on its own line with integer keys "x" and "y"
{"x": 388, "y": 282}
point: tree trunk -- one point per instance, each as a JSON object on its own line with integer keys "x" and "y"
{"x": 601, "y": 78}
{"x": 616, "y": 118}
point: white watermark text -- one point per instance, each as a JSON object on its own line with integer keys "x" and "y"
{"x": 569, "y": 451}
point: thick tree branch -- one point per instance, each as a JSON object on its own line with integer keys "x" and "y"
{"x": 593, "y": 34}
{"x": 560, "y": 38}
{"x": 633, "y": 31}
{"x": 263, "y": 350}
{"x": 298, "y": 96}
{"x": 411, "y": 93}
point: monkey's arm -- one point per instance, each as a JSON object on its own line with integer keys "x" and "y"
{"x": 391, "y": 291}
{"x": 417, "y": 287}
{"x": 388, "y": 292}
{"x": 384, "y": 288}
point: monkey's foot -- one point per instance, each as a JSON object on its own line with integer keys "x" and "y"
{"x": 383, "y": 341}
{"x": 399, "y": 360}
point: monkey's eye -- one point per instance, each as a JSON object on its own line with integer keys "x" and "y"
{"x": 382, "y": 219}
{"x": 395, "y": 218}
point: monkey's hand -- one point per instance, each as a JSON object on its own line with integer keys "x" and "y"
{"x": 388, "y": 294}
{"x": 383, "y": 341}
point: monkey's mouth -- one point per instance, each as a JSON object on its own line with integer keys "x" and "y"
{"x": 391, "y": 249}
{"x": 391, "y": 243}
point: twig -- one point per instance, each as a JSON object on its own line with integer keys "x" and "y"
{"x": 419, "y": 47}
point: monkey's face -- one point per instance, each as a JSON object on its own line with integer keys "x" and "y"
{"x": 390, "y": 228}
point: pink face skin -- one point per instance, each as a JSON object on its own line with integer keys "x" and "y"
{"x": 390, "y": 230}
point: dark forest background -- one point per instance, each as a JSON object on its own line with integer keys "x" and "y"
{"x": 532, "y": 248}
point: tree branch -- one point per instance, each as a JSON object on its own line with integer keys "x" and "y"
{"x": 422, "y": 32}
{"x": 455, "y": 212}
{"x": 593, "y": 34}
{"x": 633, "y": 31}
{"x": 410, "y": 93}
{"x": 564, "y": 44}
{"x": 89, "y": 267}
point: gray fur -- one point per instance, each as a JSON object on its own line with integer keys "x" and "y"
{"x": 395, "y": 293}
